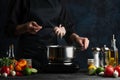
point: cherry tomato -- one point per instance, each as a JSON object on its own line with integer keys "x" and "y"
{"x": 5, "y": 69}
{"x": 19, "y": 73}
{"x": 109, "y": 70}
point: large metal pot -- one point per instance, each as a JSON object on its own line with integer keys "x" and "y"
{"x": 60, "y": 54}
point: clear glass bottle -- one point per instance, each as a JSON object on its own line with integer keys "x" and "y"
{"x": 113, "y": 53}
{"x": 105, "y": 56}
{"x": 90, "y": 62}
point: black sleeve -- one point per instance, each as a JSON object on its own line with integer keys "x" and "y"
{"x": 67, "y": 21}
{"x": 17, "y": 15}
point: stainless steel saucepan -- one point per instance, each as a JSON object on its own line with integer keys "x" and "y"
{"x": 61, "y": 54}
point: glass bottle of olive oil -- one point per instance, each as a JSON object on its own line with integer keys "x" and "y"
{"x": 105, "y": 56}
{"x": 113, "y": 57}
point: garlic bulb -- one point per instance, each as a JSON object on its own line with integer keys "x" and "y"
{"x": 13, "y": 73}
{"x": 4, "y": 74}
{"x": 115, "y": 74}
{"x": 101, "y": 74}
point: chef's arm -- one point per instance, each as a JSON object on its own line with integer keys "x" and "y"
{"x": 20, "y": 29}
{"x": 30, "y": 27}
{"x": 71, "y": 36}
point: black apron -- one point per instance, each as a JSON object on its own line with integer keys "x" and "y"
{"x": 46, "y": 14}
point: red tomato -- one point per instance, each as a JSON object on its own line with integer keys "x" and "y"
{"x": 117, "y": 68}
{"x": 19, "y": 73}
{"x": 5, "y": 69}
{"x": 109, "y": 70}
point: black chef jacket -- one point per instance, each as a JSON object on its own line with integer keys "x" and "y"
{"x": 48, "y": 14}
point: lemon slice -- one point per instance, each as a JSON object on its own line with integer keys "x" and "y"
{"x": 34, "y": 70}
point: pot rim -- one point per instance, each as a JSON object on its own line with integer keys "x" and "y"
{"x": 59, "y": 46}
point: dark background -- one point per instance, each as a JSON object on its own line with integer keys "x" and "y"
{"x": 96, "y": 19}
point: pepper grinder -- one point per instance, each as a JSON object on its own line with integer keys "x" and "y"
{"x": 96, "y": 52}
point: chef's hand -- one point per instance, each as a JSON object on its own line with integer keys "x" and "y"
{"x": 33, "y": 27}
{"x": 60, "y": 31}
{"x": 30, "y": 27}
{"x": 82, "y": 41}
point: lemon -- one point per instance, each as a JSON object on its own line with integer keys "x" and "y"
{"x": 92, "y": 69}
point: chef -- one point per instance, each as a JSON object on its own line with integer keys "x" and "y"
{"x": 40, "y": 23}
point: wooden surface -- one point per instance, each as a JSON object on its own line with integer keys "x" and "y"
{"x": 80, "y": 75}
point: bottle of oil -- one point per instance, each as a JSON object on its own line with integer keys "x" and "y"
{"x": 104, "y": 56}
{"x": 113, "y": 59}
